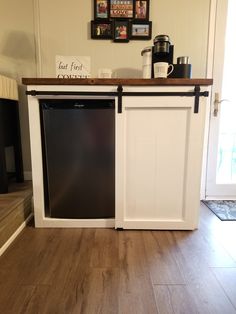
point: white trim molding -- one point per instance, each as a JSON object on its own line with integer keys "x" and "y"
{"x": 211, "y": 38}
{"x": 209, "y": 74}
{"x": 38, "y": 56}
{"x": 15, "y": 234}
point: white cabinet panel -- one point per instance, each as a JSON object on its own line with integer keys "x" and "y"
{"x": 161, "y": 161}
{"x": 156, "y": 155}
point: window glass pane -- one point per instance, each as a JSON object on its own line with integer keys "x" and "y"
{"x": 226, "y": 163}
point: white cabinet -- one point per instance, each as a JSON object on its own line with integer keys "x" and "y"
{"x": 159, "y": 157}
{"x": 159, "y": 145}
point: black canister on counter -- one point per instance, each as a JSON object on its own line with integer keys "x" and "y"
{"x": 182, "y": 69}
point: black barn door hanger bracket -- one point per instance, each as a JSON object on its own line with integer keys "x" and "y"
{"x": 119, "y": 93}
{"x": 196, "y": 93}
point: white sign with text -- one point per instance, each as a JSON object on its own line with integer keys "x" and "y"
{"x": 73, "y": 66}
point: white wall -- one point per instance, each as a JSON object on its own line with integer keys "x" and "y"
{"x": 17, "y": 55}
{"x": 64, "y": 29}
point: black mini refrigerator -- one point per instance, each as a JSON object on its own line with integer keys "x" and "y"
{"x": 78, "y": 144}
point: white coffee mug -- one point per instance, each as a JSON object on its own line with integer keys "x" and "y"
{"x": 161, "y": 69}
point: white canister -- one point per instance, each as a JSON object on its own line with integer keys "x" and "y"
{"x": 147, "y": 62}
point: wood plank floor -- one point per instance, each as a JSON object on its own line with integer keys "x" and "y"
{"x": 17, "y": 193}
{"x": 107, "y": 271}
{"x": 15, "y": 207}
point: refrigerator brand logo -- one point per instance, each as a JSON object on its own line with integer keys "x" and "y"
{"x": 73, "y": 67}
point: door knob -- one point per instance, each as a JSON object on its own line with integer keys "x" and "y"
{"x": 217, "y": 103}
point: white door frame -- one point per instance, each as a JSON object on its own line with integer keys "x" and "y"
{"x": 217, "y": 28}
{"x": 209, "y": 74}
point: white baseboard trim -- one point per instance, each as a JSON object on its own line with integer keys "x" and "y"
{"x": 15, "y": 234}
{"x": 73, "y": 223}
{"x": 28, "y": 175}
{"x": 219, "y": 198}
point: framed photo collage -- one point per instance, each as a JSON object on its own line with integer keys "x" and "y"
{"x": 121, "y": 20}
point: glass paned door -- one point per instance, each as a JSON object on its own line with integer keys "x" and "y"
{"x": 226, "y": 160}
{"x": 221, "y": 172}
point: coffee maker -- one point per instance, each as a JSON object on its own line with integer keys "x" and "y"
{"x": 163, "y": 51}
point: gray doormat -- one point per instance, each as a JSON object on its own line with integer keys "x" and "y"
{"x": 225, "y": 210}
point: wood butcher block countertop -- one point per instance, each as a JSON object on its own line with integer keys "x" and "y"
{"x": 119, "y": 81}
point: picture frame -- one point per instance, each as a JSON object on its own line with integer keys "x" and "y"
{"x": 101, "y": 29}
{"x": 121, "y": 20}
{"x": 101, "y": 9}
{"x": 140, "y": 30}
{"x": 141, "y": 10}
{"x": 122, "y": 9}
{"x": 121, "y": 31}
